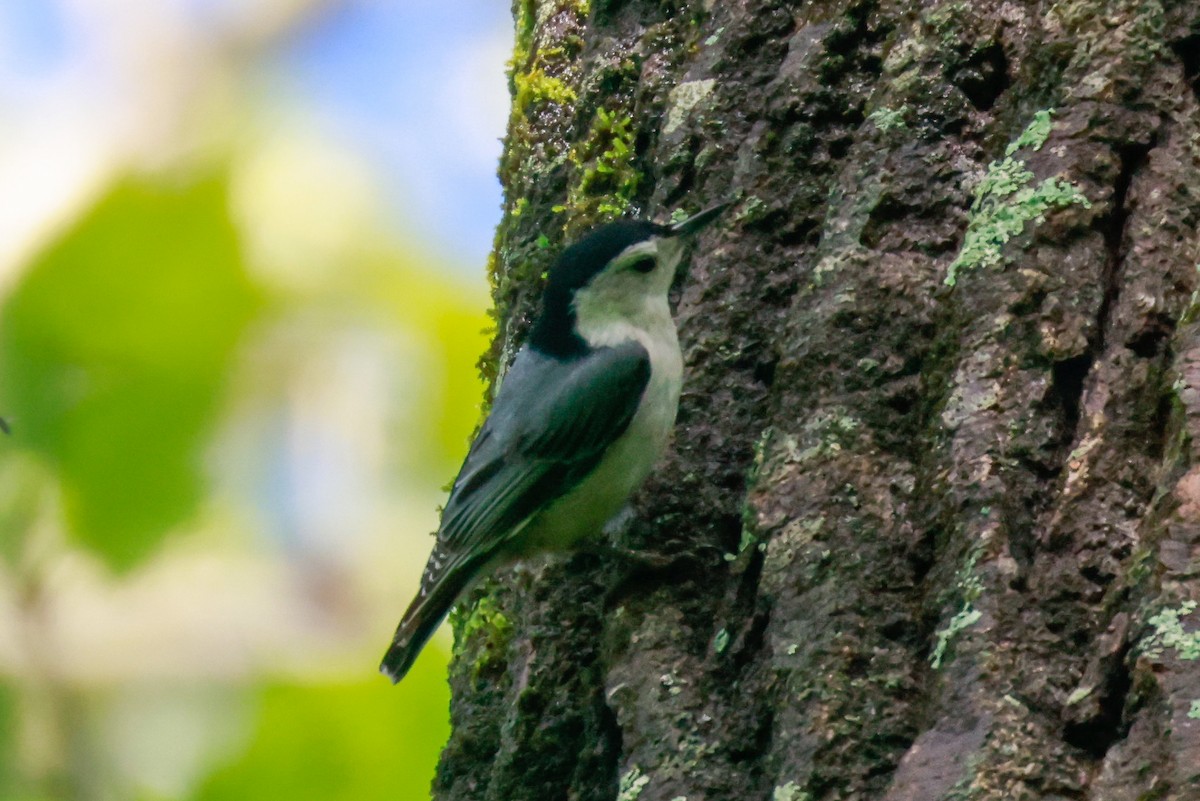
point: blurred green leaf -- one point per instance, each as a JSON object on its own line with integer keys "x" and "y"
{"x": 8, "y": 742}
{"x": 451, "y": 318}
{"x": 113, "y": 352}
{"x": 350, "y": 742}
{"x": 25, "y": 487}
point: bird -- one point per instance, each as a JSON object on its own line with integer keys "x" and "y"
{"x": 576, "y": 425}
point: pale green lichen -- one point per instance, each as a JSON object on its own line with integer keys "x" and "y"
{"x": 970, "y": 588}
{"x": 748, "y": 535}
{"x": 1168, "y": 633}
{"x": 752, "y": 209}
{"x": 1079, "y": 694}
{"x": 1194, "y": 711}
{"x": 747, "y": 539}
{"x": 1192, "y": 312}
{"x": 887, "y": 119}
{"x": 1007, "y": 199}
{"x": 829, "y": 432}
{"x": 946, "y": 19}
{"x": 548, "y": 8}
{"x": 683, "y": 99}
{"x": 966, "y": 617}
{"x": 1035, "y": 134}
{"x": 790, "y": 792}
{"x": 630, "y": 785}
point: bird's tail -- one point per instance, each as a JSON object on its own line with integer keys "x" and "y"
{"x": 420, "y": 620}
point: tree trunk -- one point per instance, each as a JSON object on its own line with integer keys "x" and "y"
{"x": 942, "y": 383}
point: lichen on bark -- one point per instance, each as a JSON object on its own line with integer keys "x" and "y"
{"x": 934, "y": 542}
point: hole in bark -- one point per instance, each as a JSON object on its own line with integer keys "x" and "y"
{"x": 1188, "y": 51}
{"x": 1153, "y": 337}
{"x": 1112, "y": 228}
{"x": 611, "y": 742}
{"x": 753, "y": 639}
{"x": 984, "y": 76}
{"x": 903, "y": 401}
{"x": 889, "y": 209}
{"x": 1068, "y": 378}
{"x": 1029, "y": 304}
{"x": 1094, "y": 574}
{"x": 1101, "y": 731}
{"x": 764, "y": 372}
{"x": 1161, "y": 428}
{"x": 683, "y": 183}
{"x": 804, "y": 231}
{"x": 839, "y": 147}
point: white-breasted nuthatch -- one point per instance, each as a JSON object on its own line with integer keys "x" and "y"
{"x": 577, "y": 424}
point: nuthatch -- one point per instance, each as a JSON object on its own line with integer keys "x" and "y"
{"x": 579, "y": 420}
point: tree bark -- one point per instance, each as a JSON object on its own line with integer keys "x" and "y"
{"x": 942, "y": 390}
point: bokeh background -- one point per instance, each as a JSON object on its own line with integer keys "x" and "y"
{"x": 242, "y": 294}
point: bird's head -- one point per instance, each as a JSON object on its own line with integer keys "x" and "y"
{"x": 617, "y": 274}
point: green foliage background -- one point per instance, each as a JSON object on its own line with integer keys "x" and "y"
{"x": 119, "y": 353}
{"x": 114, "y": 349}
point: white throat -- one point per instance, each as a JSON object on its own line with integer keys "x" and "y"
{"x": 623, "y": 305}
{"x": 619, "y": 307}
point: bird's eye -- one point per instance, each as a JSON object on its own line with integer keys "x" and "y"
{"x": 645, "y": 264}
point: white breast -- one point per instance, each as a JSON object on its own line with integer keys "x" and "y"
{"x": 627, "y": 462}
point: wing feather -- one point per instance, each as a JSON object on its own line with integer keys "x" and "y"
{"x": 549, "y": 426}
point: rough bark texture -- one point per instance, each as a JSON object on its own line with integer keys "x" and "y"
{"x": 943, "y": 375}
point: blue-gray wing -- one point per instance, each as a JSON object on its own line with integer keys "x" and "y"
{"x": 549, "y": 426}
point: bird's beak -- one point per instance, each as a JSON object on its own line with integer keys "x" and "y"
{"x": 696, "y": 222}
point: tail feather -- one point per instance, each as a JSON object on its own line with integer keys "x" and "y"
{"x": 420, "y": 621}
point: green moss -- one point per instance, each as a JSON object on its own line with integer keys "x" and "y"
{"x": 544, "y": 71}
{"x": 607, "y": 178}
{"x": 1007, "y": 199}
{"x": 1168, "y": 633}
{"x": 536, "y": 86}
{"x": 486, "y": 628}
{"x": 721, "y": 641}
